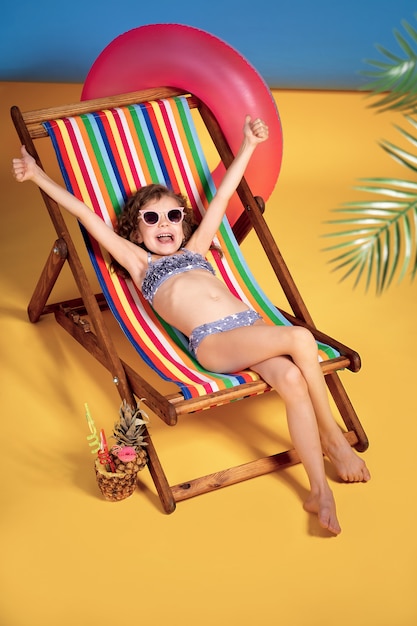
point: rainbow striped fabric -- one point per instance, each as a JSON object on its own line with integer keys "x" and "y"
{"x": 104, "y": 158}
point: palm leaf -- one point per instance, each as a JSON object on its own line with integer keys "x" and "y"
{"x": 376, "y": 239}
{"x": 396, "y": 76}
{"x": 379, "y": 236}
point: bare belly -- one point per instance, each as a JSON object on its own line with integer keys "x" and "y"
{"x": 193, "y": 298}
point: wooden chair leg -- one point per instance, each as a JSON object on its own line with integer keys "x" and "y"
{"x": 346, "y": 410}
{"x": 47, "y": 280}
{"x": 89, "y": 341}
{"x": 159, "y": 479}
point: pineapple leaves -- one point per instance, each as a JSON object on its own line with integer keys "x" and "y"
{"x": 130, "y": 430}
{"x": 395, "y": 77}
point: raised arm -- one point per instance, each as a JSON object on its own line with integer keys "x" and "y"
{"x": 255, "y": 132}
{"x": 122, "y": 250}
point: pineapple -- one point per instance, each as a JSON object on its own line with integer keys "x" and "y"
{"x": 114, "y": 487}
{"x": 129, "y": 455}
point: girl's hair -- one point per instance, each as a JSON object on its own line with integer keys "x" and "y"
{"x": 127, "y": 224}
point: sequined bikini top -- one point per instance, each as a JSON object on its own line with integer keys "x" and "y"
{"x": 159, "y": 271}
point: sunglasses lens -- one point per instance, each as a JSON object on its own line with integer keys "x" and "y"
{"x": 175, "y": 216}
{"x": 150, "y": 217}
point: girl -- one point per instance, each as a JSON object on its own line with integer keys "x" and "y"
{"x": 158, "y": 247}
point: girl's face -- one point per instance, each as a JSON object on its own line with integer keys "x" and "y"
{"x": 166, "y": 235}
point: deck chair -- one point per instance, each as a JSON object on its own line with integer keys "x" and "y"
{"x": 106, "y": 149}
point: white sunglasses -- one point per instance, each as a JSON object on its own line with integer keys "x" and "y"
{"x": 151, "y": 218}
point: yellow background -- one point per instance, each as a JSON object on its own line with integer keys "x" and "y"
{"x": 247, "y": 554}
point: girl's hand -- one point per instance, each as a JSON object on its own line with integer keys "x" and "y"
{"x": 255, "y": 131}
{"x": 24, "y": 168}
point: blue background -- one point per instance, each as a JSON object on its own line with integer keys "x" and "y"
{"x": 293, "y": 44}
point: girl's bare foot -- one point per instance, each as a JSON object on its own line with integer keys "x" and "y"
{"x": 349, "y": 466}
{"x": 324, "y": 506}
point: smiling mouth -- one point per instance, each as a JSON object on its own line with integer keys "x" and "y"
{"x": 166, "y": 236}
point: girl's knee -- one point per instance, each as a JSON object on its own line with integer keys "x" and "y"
{"x": 292, "y": 384}
{"x": 304, "y": 342}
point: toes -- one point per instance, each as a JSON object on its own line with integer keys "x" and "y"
{"x": 359, "y": 474}
{"x": 366, "y": 475}
{"x": 326, "y": 521}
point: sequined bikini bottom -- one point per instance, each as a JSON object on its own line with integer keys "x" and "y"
{"x": 243, "y": 318}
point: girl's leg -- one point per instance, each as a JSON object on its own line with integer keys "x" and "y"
{"x": 245, "y": 347}
{"x": 288, "y": 381}
{"x": 349, "y": 466}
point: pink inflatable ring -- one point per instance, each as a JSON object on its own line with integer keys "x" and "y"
{"x": 174, "y": 55}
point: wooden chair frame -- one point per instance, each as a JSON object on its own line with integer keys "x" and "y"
{"x": 70, "y": 314}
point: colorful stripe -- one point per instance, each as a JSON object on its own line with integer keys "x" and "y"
{"x": 104, "y": 158}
